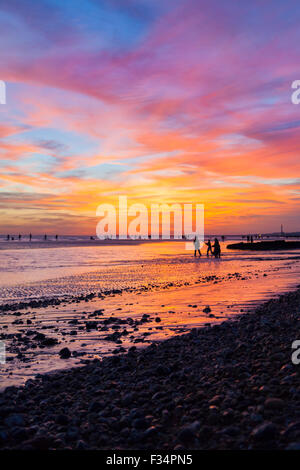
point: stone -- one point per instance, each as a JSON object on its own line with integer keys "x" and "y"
{"x": 188, "y": 432}
{"x": 65, "y": 353}
{"x": 264, "y": 431}
{"x": 274, "y": 404}
{"x": 14, "y": 420}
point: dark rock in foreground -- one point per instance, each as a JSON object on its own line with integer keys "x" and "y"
{"x": 229, "y": 386}
{"x": 65, "y": 353}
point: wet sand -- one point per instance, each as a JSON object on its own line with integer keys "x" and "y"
{"x": 227, "y": 386}
{"x": 110, "y": 321}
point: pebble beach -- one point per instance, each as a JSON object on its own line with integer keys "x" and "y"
{"x": 230, "y": 385}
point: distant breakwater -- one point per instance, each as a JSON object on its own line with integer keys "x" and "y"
{"x": 265, "y": 246}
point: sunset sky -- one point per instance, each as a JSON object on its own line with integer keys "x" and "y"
{"x": 162, "y": 101}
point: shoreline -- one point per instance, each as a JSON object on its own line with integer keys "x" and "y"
{"x": 228, "y": 386}
{"x": 25, "y": 245}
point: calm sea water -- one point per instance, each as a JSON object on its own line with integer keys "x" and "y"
{"x": 44, "y": 272}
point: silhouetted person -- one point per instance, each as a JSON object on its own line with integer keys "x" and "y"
{"x": 45, "y": 237}
{"x": 251, "y": 239}
{"x": 223, "y": 238}
{"x": 12, "y": 238}
{"x": 30, "y": 237}
{"x": 20, "y": 236}
{"x": 8, "y": 237}
{"x": 217, "y": 248}
{"x": 209, "y": 249}
{"x": 56, "y": 237}
{"x": 197, "y": 246}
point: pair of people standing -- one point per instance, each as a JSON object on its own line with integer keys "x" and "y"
{"x": 214, "y": 249}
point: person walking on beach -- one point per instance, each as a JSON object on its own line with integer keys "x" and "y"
{"x": 56, "y": 237}
{"x": 20, "y": 236}
{"x": 197, "y": 246}
{"x": 209, "y": 248}
{"x": 217, "y": 249}
{"x": 45, "y": 237}
{"x": 30, "y": 237}
{"x": 8, "y": 237}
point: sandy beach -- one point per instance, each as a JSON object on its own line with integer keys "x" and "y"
{"x": 102, "y": 301}
{"x": 148, "y": 348}
{"x": 226, "y": 386}
{"x": 163, "y": 351}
